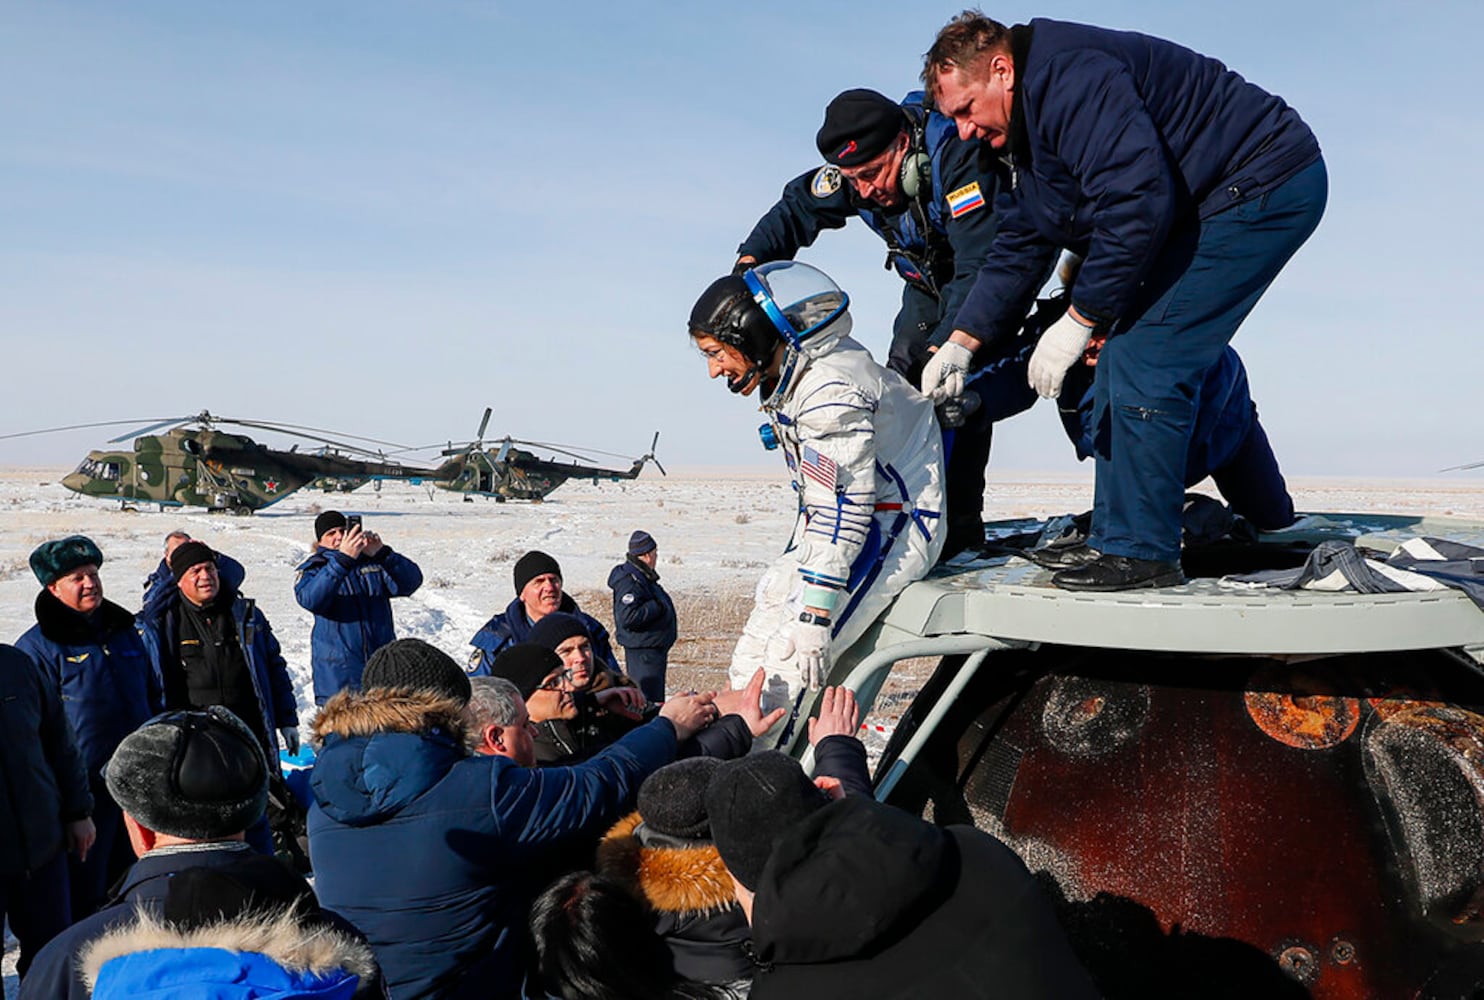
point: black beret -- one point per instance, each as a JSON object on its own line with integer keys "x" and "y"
{"x": 751, "y": 802}
{"x": 532, "y": 565}
{"x": 54, "y": 560}
{"x": 556, "y": 628}
{"x": 525, "y": 665}
{"x": 199, "y": 775}
{"x": 415, "y": 664}
{"x": 672, "y": 800}
{"x": 188, "y": 554}
{"x": 858, "y": 126}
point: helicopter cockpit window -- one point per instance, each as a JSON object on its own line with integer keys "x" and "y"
{"x": 87, "y": 467}
{"x": 109, "y": 471}
{"x": 94, "y": 469}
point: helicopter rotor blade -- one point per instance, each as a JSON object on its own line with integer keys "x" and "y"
{"x": 309, "y": 432}
{"x": 1463, "y": 468}
{"x": 479, "y": 435}
{"x": 82, "y": 427}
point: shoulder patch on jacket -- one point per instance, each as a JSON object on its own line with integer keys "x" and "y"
{"x": 827, "y": 181}
{"x": 965, "y": 199}
{"x": 475, "y": 659}
{"x": 628, "y": 598}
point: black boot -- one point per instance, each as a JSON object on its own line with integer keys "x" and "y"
{"x": 1062, "y": 556}
{"x": 1109, "y": 572}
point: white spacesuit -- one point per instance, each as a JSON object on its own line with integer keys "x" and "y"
{"x": 866, "y": 457}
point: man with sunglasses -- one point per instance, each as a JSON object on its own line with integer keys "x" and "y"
{"x": 903, "y": 170}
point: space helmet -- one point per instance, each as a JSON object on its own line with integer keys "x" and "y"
{"x": 785, "y": 300}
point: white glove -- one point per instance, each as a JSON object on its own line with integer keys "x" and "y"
{"x": 811, "y": 645}
{"x": 943, "y": 375}
{"x": 290, "y": 736}
{"x": 1061, "y": 347}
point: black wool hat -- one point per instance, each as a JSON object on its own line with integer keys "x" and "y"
{"x": 328, "y": 521}
{"x": 525, "y": 665}
{"x": 188, "y": 554}
{"x": 858, "y": 126}
{"x": 54, "y": 560}
{"x": 751, "y": 802}
{"x": 672, "y": 800}
{"x": 532, "y": 565}
{"x": 641, "y": 542}
{"x": 198, "y": 775}
{"x": 415, "y": 664}
{"x": 556, "y": 628}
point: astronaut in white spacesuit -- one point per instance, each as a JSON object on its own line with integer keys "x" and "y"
{"x": 866, "y": 458}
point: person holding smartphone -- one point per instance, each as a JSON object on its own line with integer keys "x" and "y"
{"x": 348, "y": 584}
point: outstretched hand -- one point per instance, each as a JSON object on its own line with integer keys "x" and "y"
{"x": 748, "y": 702}
{"x": 625, "y": 701}
{"x": 689, "y": 713}
{"x": 839, "y": 715}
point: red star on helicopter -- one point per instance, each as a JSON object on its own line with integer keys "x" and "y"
{"x": 271, "y": 485}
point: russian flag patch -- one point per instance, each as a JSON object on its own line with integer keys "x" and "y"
{"x": 965, "y": 200}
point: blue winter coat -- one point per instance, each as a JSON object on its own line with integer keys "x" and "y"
{"x": 643, "y": 614}
{"x": 432, "y": 853}
{"x": 55, "y": 974}
{"x": 1115, "y": 139}
{"x": 939, "y": 255}
{"x": 42, "y": 783}
{"x": 230, "y": 570}
{"x": 512, "y": 626}
{"x": 109, "y": 680}
{"x": 160, "y": 628}
{"x": 351, "y": 600}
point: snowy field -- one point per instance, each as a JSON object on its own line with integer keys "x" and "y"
{"x": 716, "y": 530}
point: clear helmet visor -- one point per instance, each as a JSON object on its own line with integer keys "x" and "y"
{"x": 800, "y": 300}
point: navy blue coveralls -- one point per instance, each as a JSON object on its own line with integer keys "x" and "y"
{"x": 936, "y": 245}
{"x": 1185, "y": 189}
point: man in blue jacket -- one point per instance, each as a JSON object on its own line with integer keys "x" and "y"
{"x": 44, "y": 804}
{"x": 348, "y": 585}
{"x": 433, "y": 852}
{"x": 643, "y": 616}
{"x": 89, "y": 647}
{"x": 538, "y": 593}
{"x": 230, "y": 569}
{"x": 1183, "y": 187}
{"x": 903, "y": 171}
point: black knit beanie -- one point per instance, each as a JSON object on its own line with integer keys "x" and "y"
{"x": 188, "y": 554}
{"x": 525, "y": 665}
{"x": 751, "y": 802}
{"x": 556, "y": 628}
{"x": 416, "y": 664}
{"x": 328, "y": 521}
{"x": 672, "y": 800}
{"x": 532, "y": 565}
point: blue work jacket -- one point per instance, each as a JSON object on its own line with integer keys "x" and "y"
{"x": 110, "y": 682}
{"x": 643, "y": 614}
{"x": 352, "y": 607}
{"x": 1115, "y": 139}
{"x": 512, "y": 626}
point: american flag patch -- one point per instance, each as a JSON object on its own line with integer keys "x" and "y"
{"x": 820, "y": 468}
{"x": 965, "y": 200}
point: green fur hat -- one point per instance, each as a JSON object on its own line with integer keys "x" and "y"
{"x": 55, "y": 559}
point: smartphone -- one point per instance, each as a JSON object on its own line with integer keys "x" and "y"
{"x": 352, "y": 522}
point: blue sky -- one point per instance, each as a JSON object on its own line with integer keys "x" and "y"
{"x": 382, "y": 217}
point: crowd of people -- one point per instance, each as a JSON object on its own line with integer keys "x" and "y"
{"x": 548, "y": 820}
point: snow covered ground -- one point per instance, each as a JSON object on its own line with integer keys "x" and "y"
{"x": 716, "y": 530}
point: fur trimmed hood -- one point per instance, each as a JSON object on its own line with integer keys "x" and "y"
{"x": 676, "y": 877}
{"x": 273, "y": 953}
{"x": 381, "y": 749}
{"x": 387, "y": 710}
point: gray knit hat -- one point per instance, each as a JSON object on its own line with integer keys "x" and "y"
{"x": 416, "y": 664}
{"x": 672, "y": 800}
{"x": 199, "y": 775}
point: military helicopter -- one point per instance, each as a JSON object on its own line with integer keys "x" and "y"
{"x": 507, "y": 472}
{"x": 193, "y": 464}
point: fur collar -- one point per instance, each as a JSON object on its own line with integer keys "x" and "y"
{"x": 388, "y": 710}
{"x": 673, "y": 879}
{"x": 61, "y": 624}
{"x": 276, "y": 934}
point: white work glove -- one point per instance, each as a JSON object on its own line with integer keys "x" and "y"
{"x": 290, "y": 736}
{"x": 1061, "y": 347}
{"x": 810, "y": 643}
{"x": 943, "y": 375}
